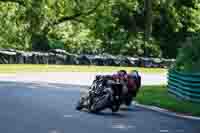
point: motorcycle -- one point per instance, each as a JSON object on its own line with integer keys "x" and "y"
{"x": 106, "y": 92}
{"x": 103, "y": 93}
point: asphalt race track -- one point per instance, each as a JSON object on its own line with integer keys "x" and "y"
{"x": 50, "y": 108}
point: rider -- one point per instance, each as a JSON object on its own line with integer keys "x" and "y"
{"x": 130, "y": 81}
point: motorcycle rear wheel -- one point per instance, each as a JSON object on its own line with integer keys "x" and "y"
{"x": 128, "y": 101}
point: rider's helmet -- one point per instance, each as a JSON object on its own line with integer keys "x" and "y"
{"x": 122, "y": 74}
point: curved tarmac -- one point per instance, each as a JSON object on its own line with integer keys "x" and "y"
{"x": 50, "y": 108}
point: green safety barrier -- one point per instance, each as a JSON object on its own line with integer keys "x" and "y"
{"x": 184, "y": 85}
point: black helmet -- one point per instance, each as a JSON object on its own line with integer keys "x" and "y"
{"x": 122, "y": 72}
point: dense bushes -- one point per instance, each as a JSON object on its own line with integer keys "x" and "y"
{"x": 56, "y": 44}
{"x": 188, "y": 59}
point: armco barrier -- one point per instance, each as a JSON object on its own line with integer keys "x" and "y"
{"x": 58, "y": 56}
{"x": 185, "y": 86}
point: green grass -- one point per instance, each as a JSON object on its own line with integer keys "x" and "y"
{"x": 158, "y": 96}
{"x": 13, "y": 68}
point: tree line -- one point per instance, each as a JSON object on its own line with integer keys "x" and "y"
{"x": 117, "y": 27}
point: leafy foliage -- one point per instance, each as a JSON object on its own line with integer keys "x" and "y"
{"x": 101, "y": 26}
{"x": 188, "y": 59}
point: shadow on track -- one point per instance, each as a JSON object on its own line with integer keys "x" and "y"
{"x": 130, "y": 109}
{"x": 110, "y": 114}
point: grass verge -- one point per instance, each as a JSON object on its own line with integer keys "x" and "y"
{"x": 158, "y": 96}
{"x": 13, "y": 68}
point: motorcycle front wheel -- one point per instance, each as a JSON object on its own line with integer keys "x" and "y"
{"x": 115, "y": 108}
{"x": 100, "y": 103}
{"x": 79, "y": 105}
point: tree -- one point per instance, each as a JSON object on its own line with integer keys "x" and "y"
{"x": 148, "y": 22}
{"x": 41, "y": 16}
{"x": 88, "y": 26}
{"x": 12, "y": 31}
